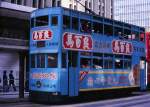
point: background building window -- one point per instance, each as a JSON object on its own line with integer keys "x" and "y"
{"x": 34, "y": 3}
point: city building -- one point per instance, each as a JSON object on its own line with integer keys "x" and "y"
{"x": 15, "y": 27}
{"x": 100, "y": 7}
{"x": 136, "y": 12}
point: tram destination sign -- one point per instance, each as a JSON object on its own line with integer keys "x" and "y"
{"x": 77, "y": 41}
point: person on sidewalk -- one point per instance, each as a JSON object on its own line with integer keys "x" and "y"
{"x": 11, "y": 80}
{"x": 5, "y": 81}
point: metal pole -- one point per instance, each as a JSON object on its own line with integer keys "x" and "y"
{"x": 21, "y": 75}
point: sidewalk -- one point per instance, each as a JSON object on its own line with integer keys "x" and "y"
{"x": 13, "y": 97}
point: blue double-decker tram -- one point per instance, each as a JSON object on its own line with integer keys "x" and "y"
{"x": 73, "y": 52}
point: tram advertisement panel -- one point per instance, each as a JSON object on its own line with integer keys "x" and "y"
{"x": 43, "y": 39}
{"x": 109, "y": 79}
{"x": 43, "y": 81}
{"x": 77, "y": 41}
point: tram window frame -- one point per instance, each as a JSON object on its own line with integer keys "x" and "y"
{"x": 127, "y": 64}
{"x": 32, "y": 61}
{"x": 85, "y": 62}
{"x": 118, "y": 31}
{"x": 41, "y": 60}
{"x": 42, "y": 20}
{"x": 63, "y": 60}
{"x": 108, "y": 30}
{"x": 118, "y": 62}
{"x": 85, "y": 26}
{"x": 66, "y": 22}
{"x": 97, "y": 63}
{"x": 75, "y": 23}
{"x": 54, "y": 20}
{"x": 52, "y": 63}
{"x": 126, "y": 33}
{"x": 137, "y": 35}
{"x": 108, "y": 61}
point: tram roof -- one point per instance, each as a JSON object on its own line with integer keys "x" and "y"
{"x": 113, "y": 21}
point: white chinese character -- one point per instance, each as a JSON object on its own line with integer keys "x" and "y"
{"x": 35, "y": 35}
{"x": 122, "y": 46}
{"x": 46, "y": 34}
{"x": 40, "y": 35}
{"x": 86, "y": 43}
{"x": 116, "y": 47}
{"x": 69, "y": 41}
{"x": 78, "y": 41}
{"x": 128, "y": 48}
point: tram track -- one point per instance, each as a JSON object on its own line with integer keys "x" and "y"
{"x": 123, "y": 102}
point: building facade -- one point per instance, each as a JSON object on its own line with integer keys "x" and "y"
{"x": 14, "y": 36}
{"x": 100, "y": 7}
{"x": 136, "y": 12}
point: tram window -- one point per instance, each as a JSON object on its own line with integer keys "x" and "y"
{"x": 142, "y": 37}
{"x": 40, "y": 60}
{"x": 126, "y": 34}
{"x": 97, "y": 28}
{"x": 32, "y": 22}
{"x": 66, "y": 22}
{"x": 75, "y": 23}
{"x": 135, "y": 35}
{"x": 54, "y": 21}
{"x": 127, "y": 64}
{"x": 142, "y": 63}
{"x": 108, "y": 64}
{"x": 63, "y": 60}
{"x": 118, "y": 63}
{"x": 85, "y": 63}
{"x": 118, "y": 31}
{"x": 52, "y": 60}
{"x": 97, "y": 63}
{"x": 33, "y": 61}
{"x": 85, "y": 26}
{"x": 98, "y": 54}
{"x": 108, "y": 61}
{"x": 41, "y": 21}
{"x": 108, "y": 30}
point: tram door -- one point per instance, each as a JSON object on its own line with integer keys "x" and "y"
{"x": 73, "y": 73}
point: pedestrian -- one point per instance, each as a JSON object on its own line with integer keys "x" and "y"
{"x": 5, "y": 81}
{"x": 11, "y": 80}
